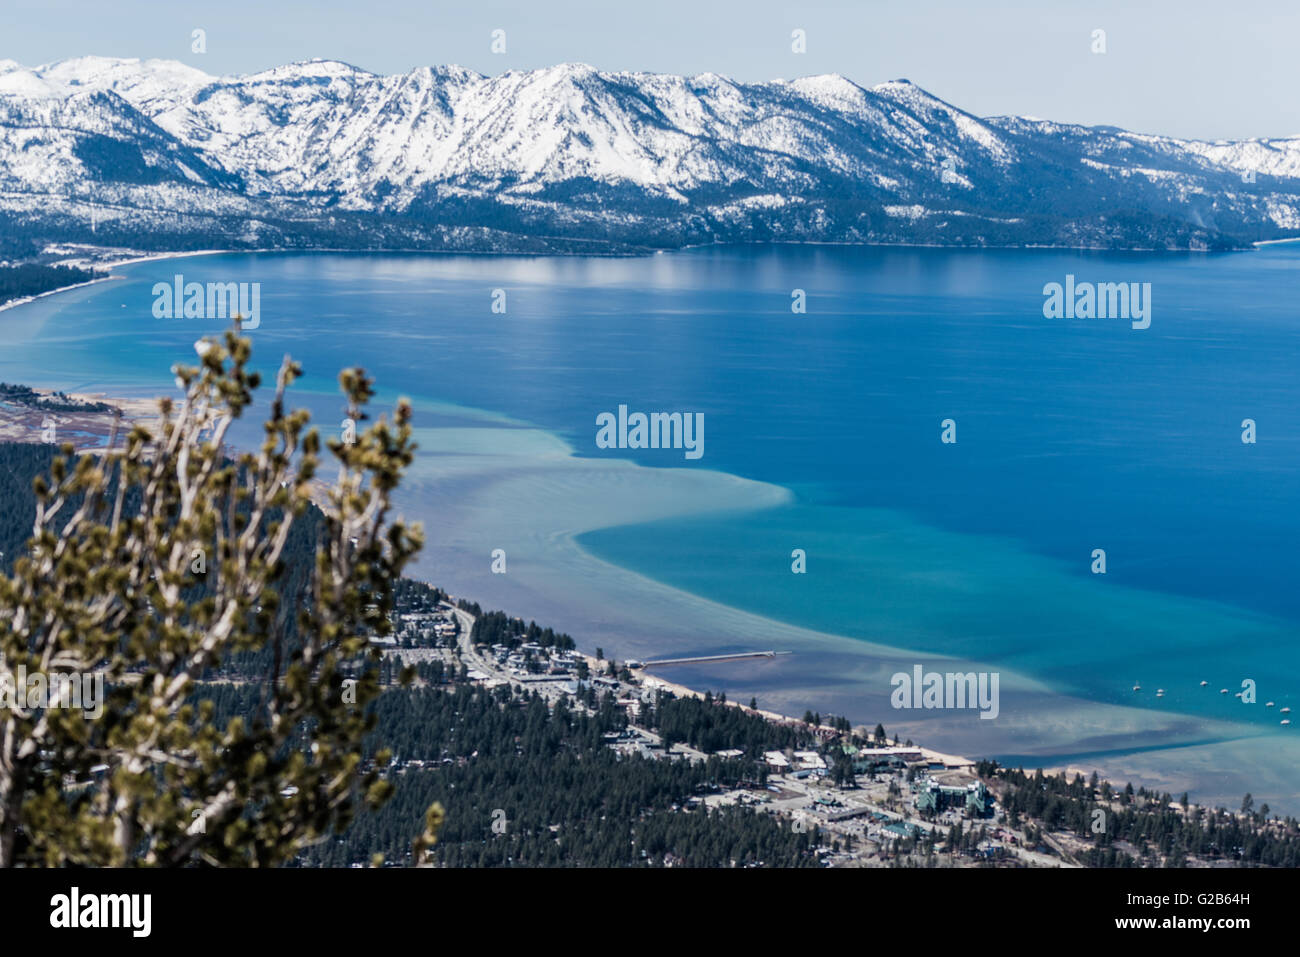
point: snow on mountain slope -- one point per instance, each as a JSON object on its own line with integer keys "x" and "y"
{"x": 645, "y": 159}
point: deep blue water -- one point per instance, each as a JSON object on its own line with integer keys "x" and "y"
{"x": 1072, "y": 434}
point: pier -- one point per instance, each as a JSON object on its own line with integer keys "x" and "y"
{"x": 735, "y": 656}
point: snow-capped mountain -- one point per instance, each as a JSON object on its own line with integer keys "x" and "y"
{"x": 158, "y": 154}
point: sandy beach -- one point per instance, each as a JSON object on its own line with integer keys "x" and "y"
{"x": 109, "y": 264}
{"x": 88, "y": 431}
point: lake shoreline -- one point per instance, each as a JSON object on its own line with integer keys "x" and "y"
{"x": 108, "y": 265}
{"x": 631, "y": 613}
{"x": 142, "y": 410}
{"x": 111, "y": 264}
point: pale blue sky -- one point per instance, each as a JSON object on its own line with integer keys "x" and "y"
{"x": 1182, "y": 67}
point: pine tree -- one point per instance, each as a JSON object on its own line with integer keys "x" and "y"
{"x": 155, "y": 562}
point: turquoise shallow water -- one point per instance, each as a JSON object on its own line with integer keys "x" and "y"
{"x": 893, "y": 580}
{"x": 1072, "y": 435}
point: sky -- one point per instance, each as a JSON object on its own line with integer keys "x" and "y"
{"x": 1191, "y": 68}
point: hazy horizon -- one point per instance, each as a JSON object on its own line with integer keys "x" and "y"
{"x": 1194, "y": 70}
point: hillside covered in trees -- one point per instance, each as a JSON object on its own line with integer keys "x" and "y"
{"x": 29, "y": 279}
{"x": 524, "y": 785}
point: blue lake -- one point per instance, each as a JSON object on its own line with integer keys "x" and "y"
{"x": 1072, "y": 435}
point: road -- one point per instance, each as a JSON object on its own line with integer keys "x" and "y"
{"x": 489, "y": 666}
{"x": 796, "y": 806}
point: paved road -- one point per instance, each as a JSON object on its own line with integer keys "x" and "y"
{"x": 793, "y": 805}
{"x": 488, "y": 665}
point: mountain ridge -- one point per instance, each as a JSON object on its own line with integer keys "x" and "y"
{"x": 158, "y": 154}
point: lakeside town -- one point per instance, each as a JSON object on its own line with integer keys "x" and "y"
{"x": 861, "y": 799}
{"x": 869, "y": 801}
{"x": 893, "y": 793}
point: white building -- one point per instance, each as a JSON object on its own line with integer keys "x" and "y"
{"x": 776, "y": 760}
